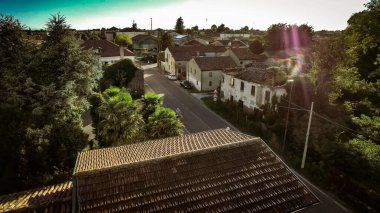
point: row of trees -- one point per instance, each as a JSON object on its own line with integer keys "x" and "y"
{"x": 283, "y": 36}
{"x": 344, "y": 151}
{"x": 44, "y": 91}
{"x": 118, "y": 119}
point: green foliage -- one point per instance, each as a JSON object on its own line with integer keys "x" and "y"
{"x": 166, "y": 41}
{"x": 214, "y": 28}
{"x": 179, "y": 26}
{"x": 283, "y": 36}
{"x": 149, "y": 103}
{"x": 45, "y": 90}
{"x": 118, "y": 74}
{"x": 123, "y": 40}
{"x": 256, "y": 47}
{"x": 163, "y": 123}
{"x": 221, "y": 28}
{"x": 119, "y": 121}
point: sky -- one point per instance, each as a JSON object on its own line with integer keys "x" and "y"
{"x": 256, "y": 14}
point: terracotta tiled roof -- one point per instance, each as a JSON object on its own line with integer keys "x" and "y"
{"x": 193, "y": 42}
{"x": 185, "y": 53}
{"x": 115, "y": 156}
{"x": 140, "y": 37}
{"x": 214, "y": 171}
{"x": 215, "y": 63}
{"x": 246, "y": 54}
{"x": 108, "y": 49}
{"x": 55, "y": 198}
{"x": 260, "y": 76}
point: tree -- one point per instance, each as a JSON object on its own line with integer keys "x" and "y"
{"x": 195, "y": 28}
{"x": 214, "y": 28}
{"x": 163, "y": 123}
{"x": 134, "y": 26}
{"x": 149, "y": 103}
{"x": 221, "y": 28}
{"x": 119, "y": 121}
{"x": 54, "y": 81}
{"x": 166, "y": 41}
{"x": 118, "y": 74}
{"x": 275, "y": 36}
{"x": 123, "y": 40}
{"x": 256, "y": 47}
{"x": 179, "y": 26}
{"x": 245, "y": 29}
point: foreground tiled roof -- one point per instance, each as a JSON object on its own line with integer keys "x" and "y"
{"x": 214, "y": 171}
{"x": 108, "y": 49}
{"x": 121, "y": 155}
{"x": 215, "y": 63}
{"x": 55, "y": 198}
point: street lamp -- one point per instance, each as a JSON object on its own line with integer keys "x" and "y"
{"x": 287, "y": 115}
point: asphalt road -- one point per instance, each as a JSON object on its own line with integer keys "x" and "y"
{"x": 197, "y": 117}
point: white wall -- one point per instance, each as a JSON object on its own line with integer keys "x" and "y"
{"x": 224, "y": 36}
{"x": 169, "y": 65}
{"x": 249, "y": 100}
{"x": 215, "y": 80}
{"x": 110, "y": 60}
{"x": 194, "y": 74}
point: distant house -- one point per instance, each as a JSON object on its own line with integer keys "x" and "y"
{"x": 224, "y": 36}
{"x": 176, "y": 58}
{"x": 213, "y": 171}
{"x": 244, "y": 56}
{"x": 109, "y": 52}
{"x": 253, "y": 86}
{"x": 229, "y": 43}
{"x": 193, "y": 42}
{"x": 147, "y": 42}
{"x": 205, "y": 73}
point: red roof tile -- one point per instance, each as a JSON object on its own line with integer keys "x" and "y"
{"x": 215, "y": 63}
{"x": 107, "y": 48}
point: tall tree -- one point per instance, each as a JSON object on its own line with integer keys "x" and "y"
{"x": 149, "y": 103}
{"x": 123, "y": 40}
{"x": 166, "y": 41}
{"x": 221, "y": 28}
{"x": 214, "y": 28}
{"x": 179, "y": 26}
{"x": 118, "y": 74}
{"x": 134, "y": 26}
{"x": 256, "y": 47}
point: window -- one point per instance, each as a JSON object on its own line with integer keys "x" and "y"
{"x": 210, "y": 74}
{"x": 253, "y": 90}
{"x": 241, "y": 86}
{"x": 232, "y": 82}
{"x": 179, "y": 70}
{"x": 210, "y": 83}
{"x": 223, "y": 79}
{"x": 241, "y": 62}
{"x": 197, "y": 82}
{"x": 267, "y": 96}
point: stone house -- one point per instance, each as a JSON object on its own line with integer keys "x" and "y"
{"x": 205, "y": 73}
{"x": 244, "y": 56}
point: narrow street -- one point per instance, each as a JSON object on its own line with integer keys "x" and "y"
{"x": 197, "y": 117}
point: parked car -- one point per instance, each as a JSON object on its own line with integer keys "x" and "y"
{"x": 172, "y": 77}
{"x": 186, "y": 84}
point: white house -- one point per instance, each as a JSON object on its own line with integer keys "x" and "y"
{"x": 254, "y": 87}
{"x": 177, "y": 58}
{"x": 205, "y": 73}
{"x": 244, "y": 56}
{"x": 109, "y": 52}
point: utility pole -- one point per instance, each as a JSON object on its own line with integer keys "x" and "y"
{"x": 151, "y": 26}
{"x": 287, "y": 115}
{"x": 307, "y": 137}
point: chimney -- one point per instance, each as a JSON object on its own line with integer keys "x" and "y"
{"x": 197, "y": 53}
{"x": 121, "y": 52}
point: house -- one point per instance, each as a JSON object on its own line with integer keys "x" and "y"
{"x": 147, "y": 42}
{"x": 205, "y": 73}
{"x": 224, "y": 36}
{"x": 213, "y": 171}
{"x": 229, "y": 43}
{"x": 244, "y": 56}
{"x": 193, "y": 42}
{"x": 176, "y": 58}
{"x": 253, "y": 86}
{"x": 109, "y": 52}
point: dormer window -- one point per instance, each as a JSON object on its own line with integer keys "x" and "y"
{"x": 98, "y": 50}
